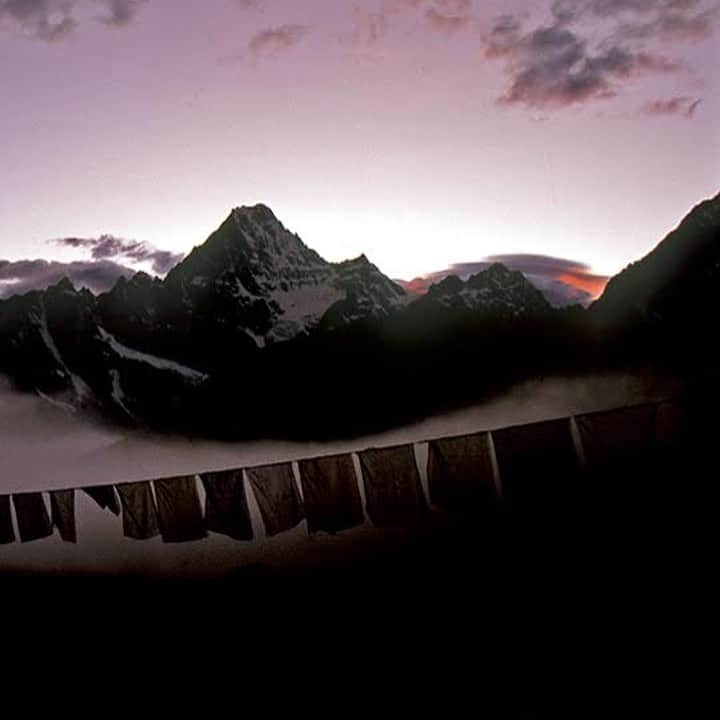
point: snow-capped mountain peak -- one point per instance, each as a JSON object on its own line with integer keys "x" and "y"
{"x": 261, "y": 279}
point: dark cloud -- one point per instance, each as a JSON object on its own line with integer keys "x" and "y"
{"x": 109, "y": 260}
{"x": 120, "y": 12}
{"x": 684, "y": 106}
{"x": 569, "y": 61}
{"x": 44, "y": 20}
{"x": 569, "y": 10}
{"x": 22, "y": 276}
{"x": 613, "y": 8}
{"x": 609, "y": 8}
{"x": 673, "y": 27}
{"x": 109, "y": 247}
{"x": 503, "y": 37}
{"x": 277, "y": 39}
{"x": 53, "y": 20}
{"x": 563, "y": 282}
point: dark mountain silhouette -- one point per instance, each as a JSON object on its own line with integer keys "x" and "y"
{"x": 665, "y": 304}
{"x": 681, "y": 272}
{"x": 255, "y": 334}
{"x": 496, "y": 290}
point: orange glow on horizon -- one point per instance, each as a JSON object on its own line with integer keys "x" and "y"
{"x": 593, "y": 284}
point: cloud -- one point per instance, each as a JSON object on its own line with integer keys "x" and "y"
{"x": 120, "y": 12}
{"x": 589, "y": 50}
{"x": 673, "y": 26}
{"x": 45, "y": 20}
{"x": 607, "y": 8}
{"x": 449, "y": 16}
{"x": 109, "y": 260}
{"x": 23, "y": 276}
{"x": 277, "y": 39}
{"x": 625, "y": 10}
{"x": 684, "y": 106}
{"x": 447, "y": 23}
{"x": 109, "y": 247}
{"x": 502, "y": 39}
{"x": 53, "y": 20}
{"x": 372, "y": 20}
{"x": 563, "y": 282}
{"x": 577, "y": 275}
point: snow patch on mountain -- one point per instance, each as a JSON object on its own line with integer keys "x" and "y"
{"x": 80, "y": 387}
{"x": 117, "y": 393}
{"x": 158, "y": 363}
{"x": 301, "y": 309}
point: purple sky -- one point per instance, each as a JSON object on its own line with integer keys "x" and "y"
{"x": 424, "y": 133}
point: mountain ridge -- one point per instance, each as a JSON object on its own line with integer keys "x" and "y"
{"x": 255, "y": 319}
{"x": 675, "y": 276}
